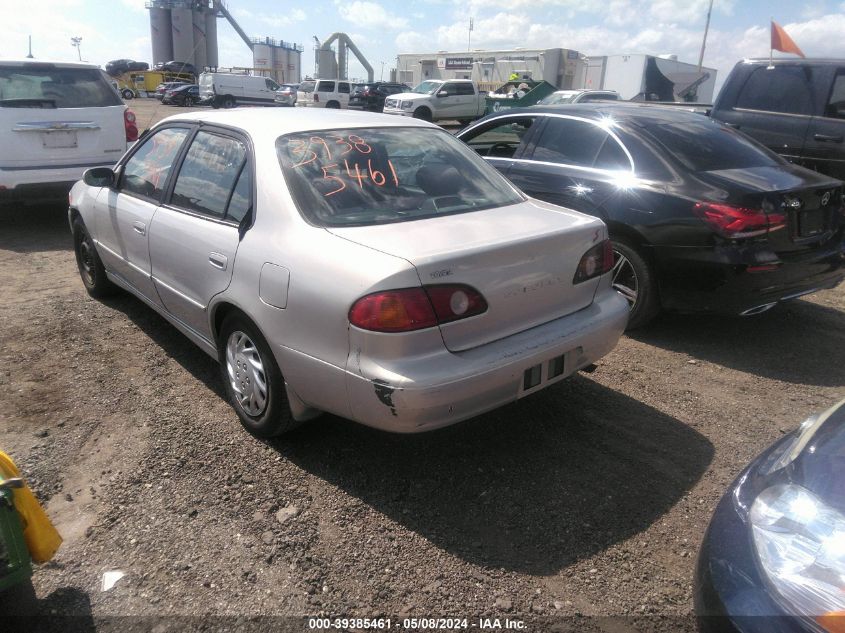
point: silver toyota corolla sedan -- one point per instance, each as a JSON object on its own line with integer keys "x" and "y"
{"x": 353, "y": 263}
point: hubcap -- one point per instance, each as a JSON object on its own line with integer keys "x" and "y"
{"x": 624, "y": 279}
{"x": 246, "y": 373}
{"x": 86, "y": 259}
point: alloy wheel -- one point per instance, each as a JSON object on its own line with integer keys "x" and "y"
{"x": 624, "y": 278}
{"x": 246, "y": 373}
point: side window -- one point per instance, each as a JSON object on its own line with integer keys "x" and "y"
{"x": 836, "y": 104}
{"x": 272, "y": 85}
{"x": 781, "y": 89}
{"x": 208, "y": 174}
{"x": 343, "y": 88}
{"x": 465, "y": 89}
{"x": 570, "y": 142}
{"x": 450, "y": 89}
{"x": 241, "y": 200}
{"x": 612, "y": 156}
{"x": 146, "y": 171}
{"x": 325, "y": 86}
{"x": 500, "y": 139}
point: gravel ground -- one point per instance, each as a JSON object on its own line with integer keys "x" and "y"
{"x": 589, "y": 498}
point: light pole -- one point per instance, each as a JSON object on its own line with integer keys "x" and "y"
{"x": 704, "y": 40}
{"x": 381, "y": 78}
{"x": 77, "y": 41}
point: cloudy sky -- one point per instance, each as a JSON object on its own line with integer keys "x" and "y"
{"x": 113, "y": 29}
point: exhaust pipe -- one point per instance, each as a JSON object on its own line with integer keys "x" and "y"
{"x": 759, "y": 309}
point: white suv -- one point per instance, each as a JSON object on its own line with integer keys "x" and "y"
{"x": 56, "y": 121}
{"x": 323, "y": 93}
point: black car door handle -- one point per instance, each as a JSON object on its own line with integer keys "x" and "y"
{"x": 826, "y": 138}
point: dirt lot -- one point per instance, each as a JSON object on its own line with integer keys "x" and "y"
{"x": 590, "y": 497}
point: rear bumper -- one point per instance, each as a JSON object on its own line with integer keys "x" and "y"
{"x": 411, "y": 395}
{"x": 44, "y": 182}
{"x": 718, "y": 280}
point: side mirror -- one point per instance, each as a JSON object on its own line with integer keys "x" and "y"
{"x": 442, "y": 93}
{"x": 98, "y": 177}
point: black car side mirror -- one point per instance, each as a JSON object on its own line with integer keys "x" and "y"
{"x": 98, "y": 177}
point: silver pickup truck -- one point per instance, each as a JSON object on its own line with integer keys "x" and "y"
{"x": 438, "y": 100}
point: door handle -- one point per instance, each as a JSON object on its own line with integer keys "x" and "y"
{"x": 218, "y": 261}
{"x": 735, "y": 126}
{"x": 139, "y": 227}
{"x": 826, "y": 138}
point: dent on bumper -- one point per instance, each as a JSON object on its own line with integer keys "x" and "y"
{"x": 478, "y": 380}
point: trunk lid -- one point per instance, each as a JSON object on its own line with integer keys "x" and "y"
{"x": 808, "y": 201}
{"x": 522, "y": 258}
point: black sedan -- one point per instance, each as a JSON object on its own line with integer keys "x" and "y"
{"x": 702, "y": 218}
{"x": 187, "y": 95}
{"x": 773, "y": 558}
{"x": 371, "y": 96}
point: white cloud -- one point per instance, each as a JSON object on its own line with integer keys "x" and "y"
{"x": 370, "y": 15}
{"x": 279, "y": 20}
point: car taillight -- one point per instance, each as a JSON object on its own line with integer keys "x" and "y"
{"x": 595, "y": 262}
{"x": 130, "y": 126}
{"x": 738, "y": 222}
{"x": 410, "y": 309}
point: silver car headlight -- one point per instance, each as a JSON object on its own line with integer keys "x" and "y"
{"x": 800, "y": 542}
{"x": 407, "y": 104}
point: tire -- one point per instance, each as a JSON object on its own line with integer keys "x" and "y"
{"x": 246, "y": 363}
{"x": 127, "y": 94}
{"x": 215, "y": 104}
{"x": 423, "y": 113}
{"x": 188, "y": 102}
{"x": 334, "y": 105}
{"x": 228, "y": 102}
{"x": 91, "y": 268}
{"x": 634, "y": 279}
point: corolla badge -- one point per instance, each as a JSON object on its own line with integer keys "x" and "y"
{"x": 825, "y": 198}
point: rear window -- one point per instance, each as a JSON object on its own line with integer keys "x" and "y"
{"x": 709, "y": 146}
{"x": 307, "y": 86}
{"x": 50, "y": 87}
{"x": 362, "y": 177}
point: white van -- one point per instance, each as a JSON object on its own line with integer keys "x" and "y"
{"x": 226, "y": 90}
{"x": 57, "y": 119}
{"x": 323, "y": 93}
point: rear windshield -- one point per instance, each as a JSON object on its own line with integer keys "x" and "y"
{"x": 50, "y": 87}
{"x": 362, "y": 177}
{"x": 307, "y": 86}
{"x": 710, "y": 146}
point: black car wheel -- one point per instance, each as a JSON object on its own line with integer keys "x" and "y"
{"x": 127, "y": 94}
{"x": 228, "y": 101}
{"x": 188, "y": 101}
{"x": 422, "y": 113}
{"x": 633, "y": 278}
{"x": 91, "y": 269}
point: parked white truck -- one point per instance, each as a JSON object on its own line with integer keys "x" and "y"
{"x": 439, "y": 100}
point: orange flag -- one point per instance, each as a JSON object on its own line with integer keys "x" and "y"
{"x": 782, "y": 42}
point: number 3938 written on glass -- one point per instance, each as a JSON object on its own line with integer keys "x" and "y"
{"x": 332, "y": 155}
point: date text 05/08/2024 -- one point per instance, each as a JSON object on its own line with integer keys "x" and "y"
{"x": 416, "y": 624}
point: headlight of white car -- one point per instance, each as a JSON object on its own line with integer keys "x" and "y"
{"x": 800, "y": 542}
{"x": 407, "y": 104}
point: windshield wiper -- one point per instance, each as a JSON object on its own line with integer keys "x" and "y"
{"x": 27, "y": 103}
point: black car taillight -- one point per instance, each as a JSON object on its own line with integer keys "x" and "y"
{"x": 595, "y": 262}
{"x": 409, "y": 309}
{"x": 130, "y": 126}
{"x": 738, "y": 222}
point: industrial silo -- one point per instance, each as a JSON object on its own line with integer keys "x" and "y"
{"x": 211, "y": 39}
{"x": 160, "y": 35}
{"x": 200, "y": 57}
{"x": 182, "y": 28}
